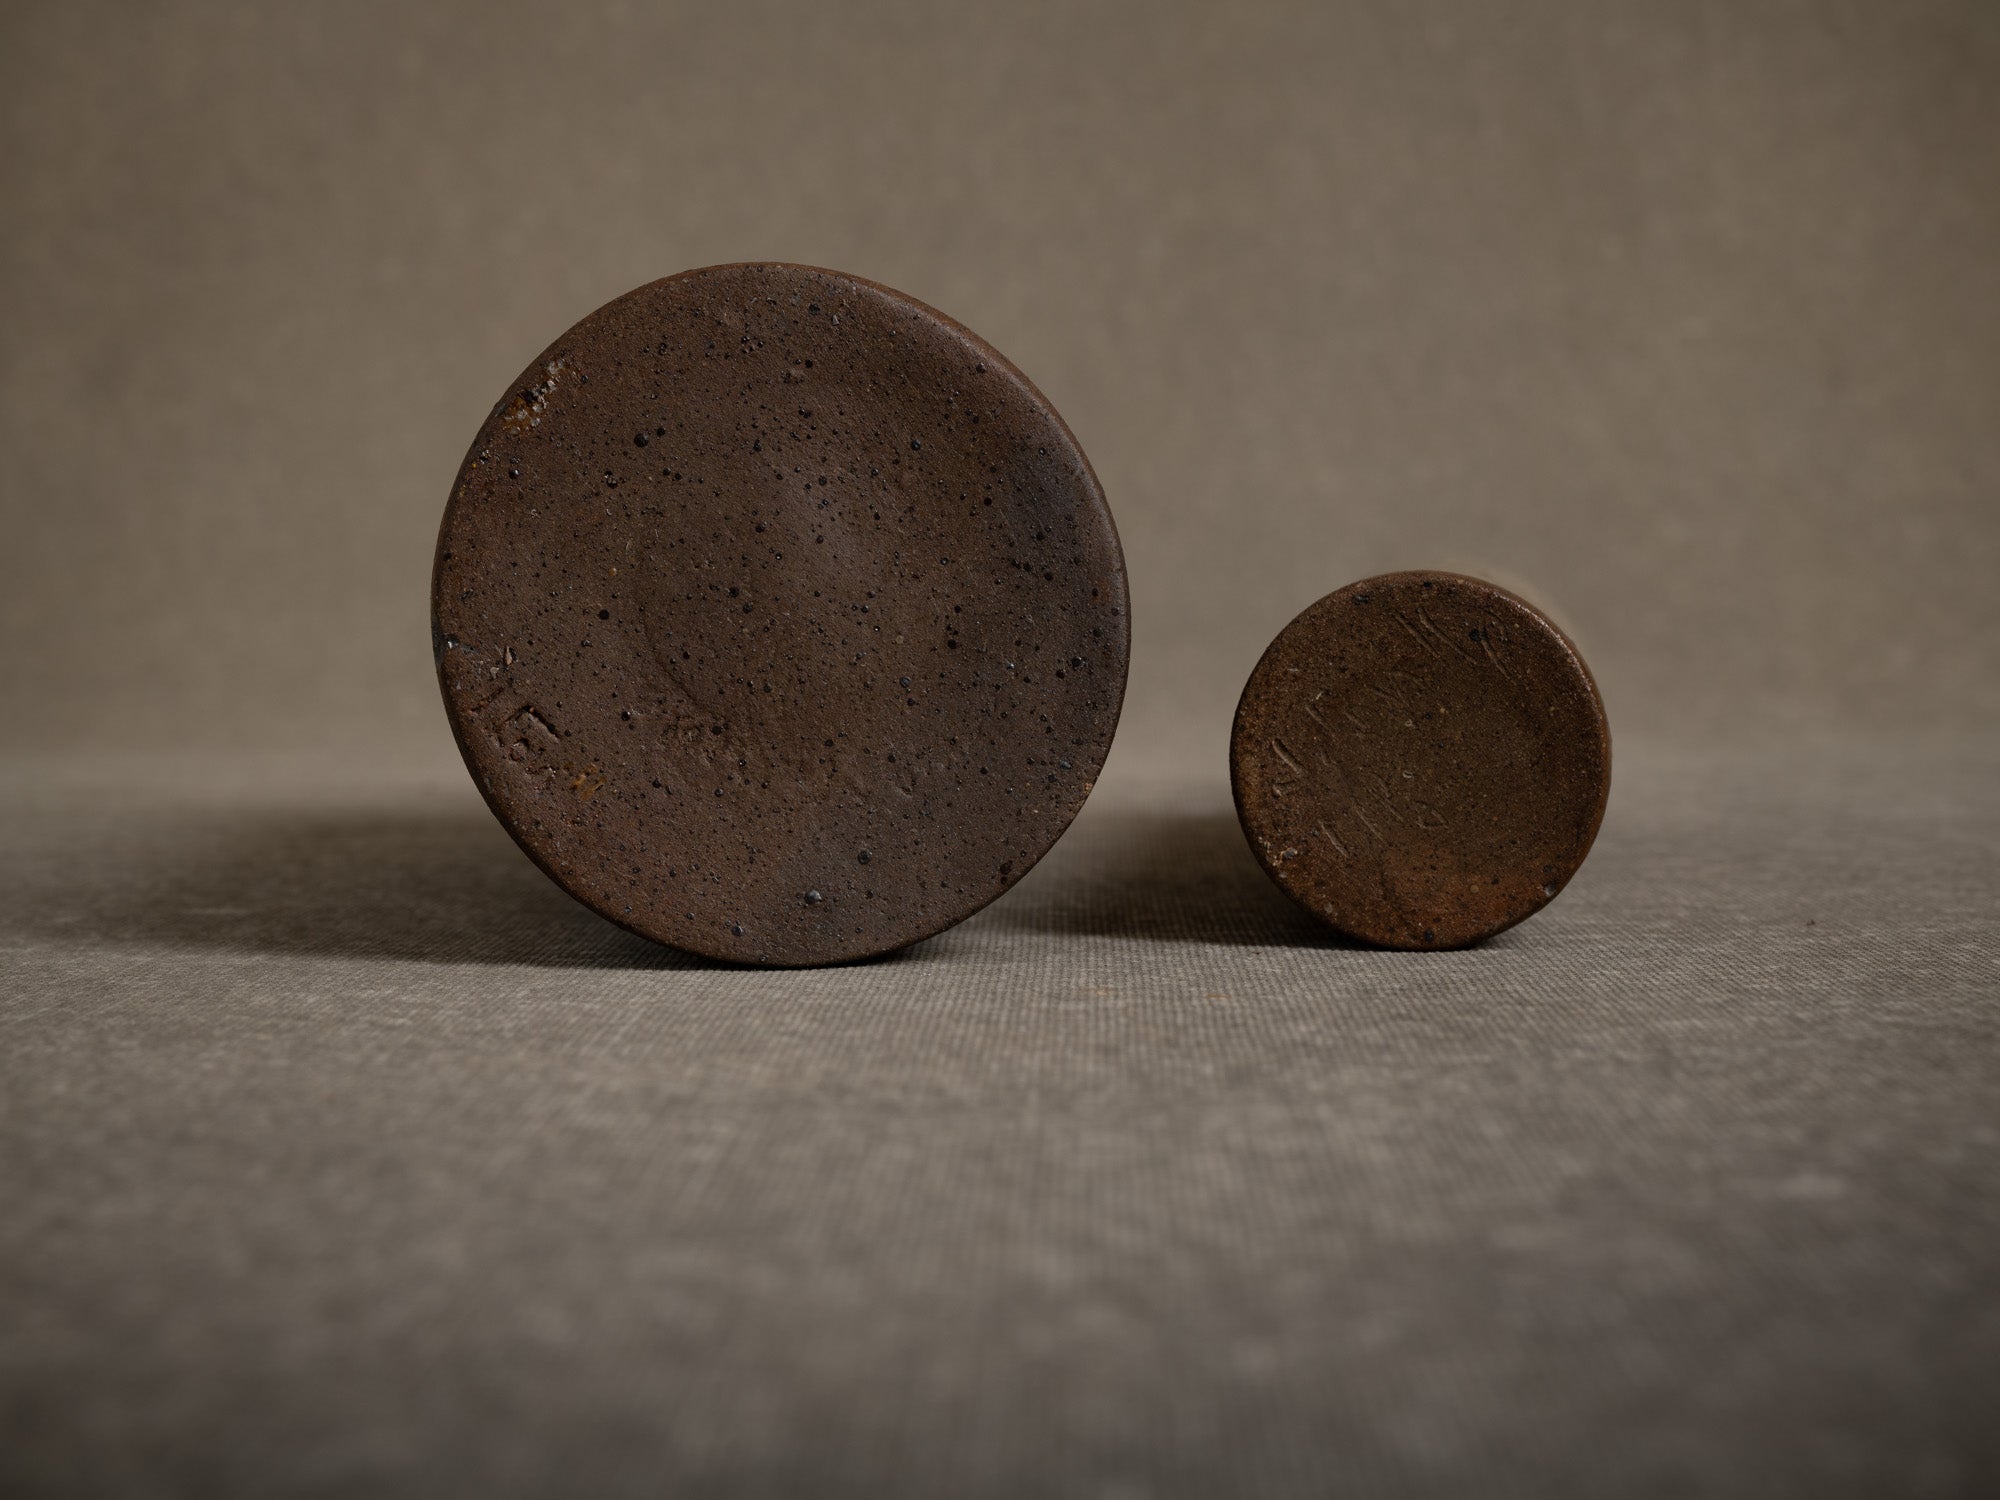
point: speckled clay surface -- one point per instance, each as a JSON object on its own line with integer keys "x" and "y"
{"x": 1421, "y": 760}
{"x": 778, "y": 617}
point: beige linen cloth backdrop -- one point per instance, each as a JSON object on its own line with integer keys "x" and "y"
{"x": 341, "y": 1153}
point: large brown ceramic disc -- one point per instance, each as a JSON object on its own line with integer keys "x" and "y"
{"x": 1421, "y": 760}
{"x": 778, "y": 617}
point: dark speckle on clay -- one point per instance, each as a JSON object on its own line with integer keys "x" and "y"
{"x": 771, "y": 616}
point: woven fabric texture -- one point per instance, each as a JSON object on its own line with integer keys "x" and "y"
{"x": 345, "y": 1154}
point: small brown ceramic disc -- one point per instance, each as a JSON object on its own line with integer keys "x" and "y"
{"x": 1421, "y": 760}
{"x": 778, "y": 617}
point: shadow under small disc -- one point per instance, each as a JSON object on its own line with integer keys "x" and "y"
{"x": 778, "y": 617}
{"x": 1421, "y": 760}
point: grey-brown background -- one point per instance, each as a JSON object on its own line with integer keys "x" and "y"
{"x": 340, "y": 1153}
{"x": 1684, "y": 316}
